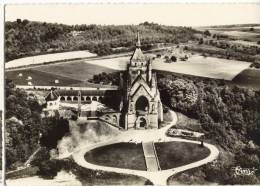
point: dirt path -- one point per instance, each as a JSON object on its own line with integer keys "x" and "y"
{"x": 138, "y": 136}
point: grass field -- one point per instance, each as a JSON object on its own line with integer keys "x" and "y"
{"x": 248, "y": 78}
{"x": 238, "y": 32}
{"x": 68, "y": 74}
{"x": 40, "y": 59}
{"x": 118, "y": 63}
{"x": 210, "y": 67}
{"x": 77, "y": 73}
{"x": 256, "y": 29}
{"x": 175, "y": 154}
{"x": 38, "y": 78}
{"x": 121, "y": 155}
{"x": 75, "y": 70}
{"x": 196, "y": 65}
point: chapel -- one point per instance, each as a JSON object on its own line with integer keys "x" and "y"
{"x": 141, "y": 105}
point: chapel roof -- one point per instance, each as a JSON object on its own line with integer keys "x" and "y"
{"x": 52, "y": 96}
{"x": 138, "y": 54}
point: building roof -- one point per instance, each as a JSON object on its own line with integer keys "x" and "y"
{"x": 138, "y": 54}
{"x": 83, "y": 92}
{"x": 52, "y": 96}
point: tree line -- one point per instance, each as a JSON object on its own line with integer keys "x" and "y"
{"x": 28, "y": 38}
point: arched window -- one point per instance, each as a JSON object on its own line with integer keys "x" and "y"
{"x": 114, "y": 119}
{"x": 100, "y": 99}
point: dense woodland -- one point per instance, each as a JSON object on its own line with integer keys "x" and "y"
{"x": 26, "y": 130}
{"x": 229, "y": 116}
{"x": 26, "y": 38}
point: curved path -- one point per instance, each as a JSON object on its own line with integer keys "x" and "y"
{"x": 137, "y": 136}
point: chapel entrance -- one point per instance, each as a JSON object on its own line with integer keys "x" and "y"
{"x": 142, "y": 123}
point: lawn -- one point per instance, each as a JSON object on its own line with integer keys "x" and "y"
{"x": 120, "y": 155}
{"x": 248, "y": 78}
{"x": 184, "y": 122}
{"x": 175, "y": 154}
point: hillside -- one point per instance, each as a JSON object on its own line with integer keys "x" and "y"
{"x": 228, "y": 116}
{"x": 26, "y": 38}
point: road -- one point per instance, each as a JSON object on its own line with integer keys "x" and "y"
{"x": 138, "y": 136}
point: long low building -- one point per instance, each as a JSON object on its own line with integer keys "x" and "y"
{"x": 56, "y": 96}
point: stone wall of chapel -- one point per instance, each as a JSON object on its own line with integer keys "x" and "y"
{"x": 153, "y": 121}
{"x": 131, "y": 118}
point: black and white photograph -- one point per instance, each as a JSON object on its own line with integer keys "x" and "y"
{"x": 131, "y": 94}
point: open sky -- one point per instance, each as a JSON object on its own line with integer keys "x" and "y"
{"x": 169, "y": 14}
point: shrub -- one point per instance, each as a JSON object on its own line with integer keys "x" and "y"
{"x": 207, "y": 33}
{"x": 49, "y": 169}
{"x": 173, "y": 59}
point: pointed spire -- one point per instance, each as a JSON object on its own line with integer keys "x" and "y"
{"x": 138, "y": 43}
{"x": 138, "y": 54}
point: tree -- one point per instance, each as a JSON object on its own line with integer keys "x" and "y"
{"x": 41, "y": 156}
{"x": 166, "y": 58}
{"x": 23, "y": 124}
{"x": 50, "y": 168}
{"x": 55, "y": 129}
{"x": 25, "y": 38}
{"x": 25, "y": 22}
{"x": 173, "y": 59}
{"x": 201, "y": 41}
{"x": 18, "y": 21}
{"x": 207, "y": 33}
